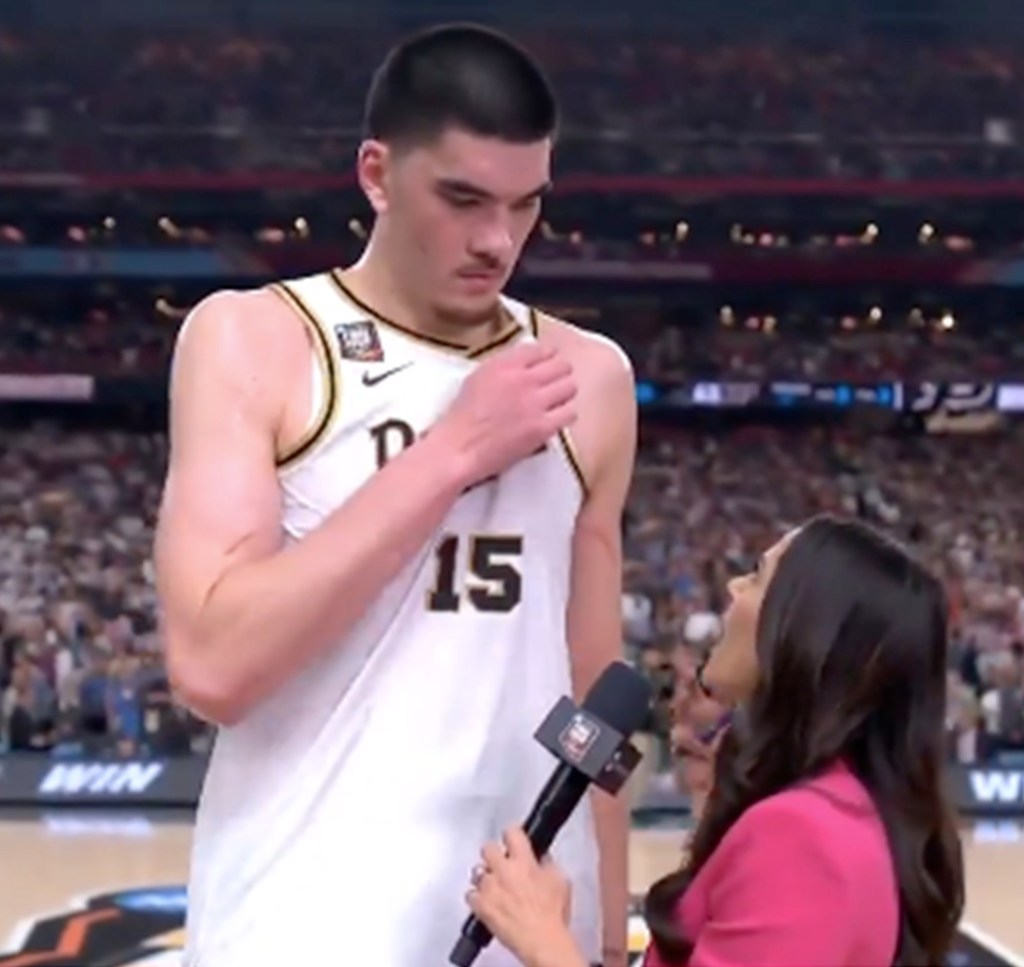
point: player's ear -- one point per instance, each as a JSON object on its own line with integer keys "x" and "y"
{"x": 372, "y": 171}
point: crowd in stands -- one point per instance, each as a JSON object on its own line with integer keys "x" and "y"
{"x": 638, "y": 103}
{"x": 136, "y": 338}
{"x": 103, "y": 342}
{"x": 80, "y": 661}
{"x": 79, "y": 647}
{"x": 763, "y": 346}
{"x": 703, "y": 507}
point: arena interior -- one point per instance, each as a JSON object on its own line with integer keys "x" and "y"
{"x": 802, "y": 221}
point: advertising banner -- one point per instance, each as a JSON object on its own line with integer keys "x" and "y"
{"x": 27, "y": 780}
{"x": 978, "y": 791}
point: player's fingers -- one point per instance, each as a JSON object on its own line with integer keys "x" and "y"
{"x": 529, "y": 354}
{"x": 541, "y": 353}
{"x": 550, "y": 371}
{"x": 559, "y": 393}
{"x": 560, "y": 417}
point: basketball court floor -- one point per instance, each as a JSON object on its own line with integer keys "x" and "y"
{"x": 107, "y": 889}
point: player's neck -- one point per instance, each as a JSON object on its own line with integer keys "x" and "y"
{"x": 375, "y": 283}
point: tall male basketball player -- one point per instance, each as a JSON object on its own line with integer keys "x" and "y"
{"x": 381, "y": 560}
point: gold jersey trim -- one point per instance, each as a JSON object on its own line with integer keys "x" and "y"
{"x": 568, "y": 447}
{"x": 503, "y": 337}
{"x": 330, "y": 373}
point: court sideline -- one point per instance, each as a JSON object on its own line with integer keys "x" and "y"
{"x": 125, "y": 873}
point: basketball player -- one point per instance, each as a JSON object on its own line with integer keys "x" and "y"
{"x": 381, "y": 555}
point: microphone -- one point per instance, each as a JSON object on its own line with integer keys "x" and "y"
{"x": 592, "y": 745}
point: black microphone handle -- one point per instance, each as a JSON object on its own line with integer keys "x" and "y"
{"x": 555, "y": 804}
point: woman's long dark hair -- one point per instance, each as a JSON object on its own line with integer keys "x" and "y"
{"x": 851, "y": 647}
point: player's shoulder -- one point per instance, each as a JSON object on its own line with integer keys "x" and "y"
{"x": 248, "y": 333}
{"x": 242, "y": 323}
{"x": 600, "y": 356}
{"x": 248, "y": 313}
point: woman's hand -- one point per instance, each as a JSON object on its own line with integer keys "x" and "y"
{"x": 525, "y": 904}
{"x": 698, "y": 726}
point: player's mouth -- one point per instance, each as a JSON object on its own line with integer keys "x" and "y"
{"x": 481, "y": 273}
{"x": 479, "y": 280}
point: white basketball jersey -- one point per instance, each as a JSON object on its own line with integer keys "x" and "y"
{"x": 340, "y": 821}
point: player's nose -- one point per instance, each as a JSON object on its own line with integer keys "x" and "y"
{"x": 494, "y": 242}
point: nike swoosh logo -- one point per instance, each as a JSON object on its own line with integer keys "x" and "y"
{"x": 369, "y": 379}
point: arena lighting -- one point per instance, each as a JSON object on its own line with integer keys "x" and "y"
{"x": 875, "y": 315}
{"x": 168, "y": 311}
{"x": 168, "y": 227}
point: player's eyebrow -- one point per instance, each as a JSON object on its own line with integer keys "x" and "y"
{"x": 457, "y": 186}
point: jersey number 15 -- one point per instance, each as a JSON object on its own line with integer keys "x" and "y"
{"x": 493, "y": 582}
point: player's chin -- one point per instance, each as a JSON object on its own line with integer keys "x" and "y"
{"x": 472, "y": 304}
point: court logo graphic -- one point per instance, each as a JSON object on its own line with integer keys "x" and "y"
{"x": 146, "y": 928}
{"x": 130, "y": 928}
{"x": 359, "y": 341}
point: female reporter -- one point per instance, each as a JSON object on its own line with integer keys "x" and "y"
{"x": 827, "y": 839}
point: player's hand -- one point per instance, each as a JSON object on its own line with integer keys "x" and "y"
{"x": 508, "y": 409}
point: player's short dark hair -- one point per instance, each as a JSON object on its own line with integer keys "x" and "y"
{"x": 460, "y": 76}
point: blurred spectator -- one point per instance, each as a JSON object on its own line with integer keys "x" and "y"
{"x": 28, "y": 714}
{"x": 1002, "y": 703}
{"x": 963, "y": 719}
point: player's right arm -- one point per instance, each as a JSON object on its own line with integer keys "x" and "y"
{"x": 241, "y": 611}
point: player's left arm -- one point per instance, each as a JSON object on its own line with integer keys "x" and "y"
{"x": 595, "y": 606}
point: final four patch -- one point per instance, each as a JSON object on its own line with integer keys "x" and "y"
{"x": 359, "y": 341}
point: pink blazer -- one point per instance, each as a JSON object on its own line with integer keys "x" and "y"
{"x": 803, "y": 879}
